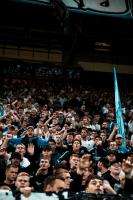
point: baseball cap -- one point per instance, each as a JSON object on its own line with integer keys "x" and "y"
{"x": 114, "y": 162}
{"x": 30, "y": 127}
{"x": 33, "y": 109}
{"x": 118, "y": 136}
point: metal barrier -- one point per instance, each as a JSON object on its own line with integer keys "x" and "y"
{"x": 8, "y": 195}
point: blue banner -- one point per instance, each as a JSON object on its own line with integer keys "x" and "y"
{"x": 118, "y": 109}
{"x": 112, "y": 8}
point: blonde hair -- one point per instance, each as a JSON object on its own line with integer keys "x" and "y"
{"x": 23, "y": 174}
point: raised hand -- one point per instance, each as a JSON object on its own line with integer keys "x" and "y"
{"x": 127, "y": 167}
{"x": 31, "y": 149}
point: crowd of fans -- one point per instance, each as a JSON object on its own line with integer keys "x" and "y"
{"x": 57, "y": 136}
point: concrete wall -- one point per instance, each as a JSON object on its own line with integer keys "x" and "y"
{"x": 106, "y": 67}
{"x": 56, "y": 56}
{"x": 27, "y": 54}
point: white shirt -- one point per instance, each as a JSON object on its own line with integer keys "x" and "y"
{"x": 25, "y": 162}
{"x": 130, "y": 126}
{"x": 88, "y": 144}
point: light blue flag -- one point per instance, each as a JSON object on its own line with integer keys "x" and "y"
{"x": 118, "y": 109}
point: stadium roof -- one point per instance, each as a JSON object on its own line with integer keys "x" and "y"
{"x": 80, "y": 32}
